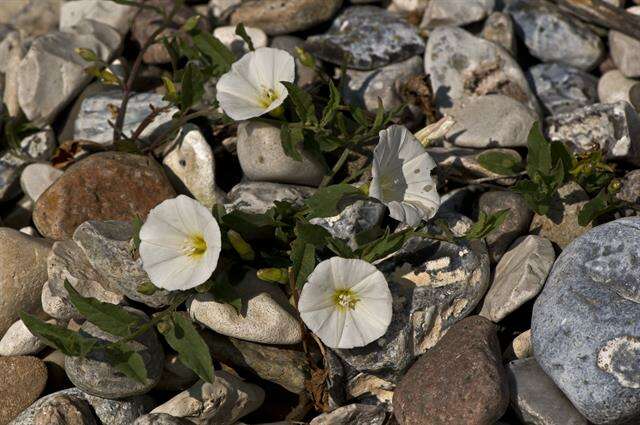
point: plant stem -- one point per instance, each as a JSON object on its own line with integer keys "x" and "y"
{"x": 336, "y": 167}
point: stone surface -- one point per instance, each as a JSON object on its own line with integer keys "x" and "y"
{"x": 277, "y": 17}
{"x": 625, "y": 50}
{"x": 21, "y": 381}
{"x": 505, "y": 122}
{"x": 462, "y": 65}
{"x": 304, "y": 75}
{"x": 368, "y": 37}
{"x": 52, "y": 73}
{"x": 519, "y": 276}
{"x": 520, "y": 347}
{"x": 92, "y": 121}
{"x": 97, "y": 377}
{"x": 36, "y": 178}
{"x": 266, "y": 315}
{"x": 56, "y": 306}
{"x": 498, "y": 28}
{"x": 612, "y": 127}
{"x": 363, "y": 88}
{"x": 446, "y": 12}
{"x": 35, "y": 17}
{"x": 461, "y": 164}
{"x": 352, "y": 414}
{"x": 19, "y": 341}
{"x": 23, "y": 271}
{"x": 67, "y": 262}
{"x": 562, "y": 88}
{"x": 222, "y": 402}
{"x": 12, "y": 50}
{"x": 570, "y": 42}
{"x": 262, "y": 158}
{"x": 613, "y": 87}
{"x": 222, "y": 9}
{"x": 175, "y": 376}
{"x": 235, "y": 43}
{"x": 630, "y": 191}
{"x": 116, "y": 15}
{"x": 561, "y": 224}
{"x": 536, "y": 399}
{"x": 516, "y": 223}
{"x": 585, "y": 327}
{"x": 107, "y": 246}
{"x": 104, "y": 186}
{"x": 108, "y": 412}
{"x": 65, "y": 410}
{"x": 258, "y": 197}
{"x": 459, "y": 381}
{"x": 160, "y": 419}
{"x": 191, "y": 167}
{"x": 286, "y": 368}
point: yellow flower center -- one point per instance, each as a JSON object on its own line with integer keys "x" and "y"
{"x": 345, "y": 299}
{"x": 267, "y": 97}
{"x": 195, "y": 246}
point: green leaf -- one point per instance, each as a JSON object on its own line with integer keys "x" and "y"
{"x": 128, "y": 146}
{"x": 137, "y": 225}
{"x": 302, "y": 101}
{"x": 539, "y": 152}
{"x": 486, "y": 224}
{"x": 111, "y": 318}
{"x": 291, "y": 138}
{"x": 191, "y": 23}
{"x": 108, "y": 77}
{"x": 147, "y": 288}
{"x": 242, "y": 32}
{"x": 329, "y": 201}
{"x": 248, "y": 224}
{"x": 215, "y": 50}
{"x": 127, "y": 361}
{"x": 67, "y": 341}
{"x": 87, "y": 54}
{"x": 601, "y": 204}
{"x": 311, "y": 233}
{"x": 171, "y": 93}
{"x": 538, "y": 200}
{"x": 329, "y": 111}
{"x": 385, "y": 245}
{"x": 303, "y": 257}
{"x": 192, "y": 86}
{"x": 191, "y": 348}
{"x": 501, "y": 163}
{"x": 224, "y": 292}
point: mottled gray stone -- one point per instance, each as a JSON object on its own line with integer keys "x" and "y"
{"x": 19, "y": 341}
{"x": 222, "y": 402}
{"x": 519, "y": 276}
{"x": 612, "y": 127}
{"x": 554, "y": 36}
{"x": 516, "y": 223}
{"x": 505, "y": 122}
{"x": 613, "y": 86}
{"x": 118, "y": 16}
{"x": 536, "y": 399}
{"x": 52, "y": 73}
{"x": 36, "y": 178}
{"x": 107, "y": 245}
{"x": 222, "y": 9}
{"x": 625, "y": 50}
{"x": 461, "y": 164}
{"x": 630, "y": 191}
{"x": 258, "y": 197}
{"x": 462, "y": 65}
{"x": 96, "y": 376}
{"x": 499, "y": 29}
{"x": 562, "y": 88}
{"x": 458, "y": 13}
{"x": 262, "y": 157}
{"x": 161, "y": 419}
{"x": 586, "y": 323}
{"x": 92, "y": 121}
{"x": 352, "y": 414}
{"x": 109, "y": 412}
{"x": 354, "y": 219}
{"x": 266, "y": 316}
{"x": 34, "y": 17}
{"x": 67, "y": 410}
{"x": 368, "y": 37}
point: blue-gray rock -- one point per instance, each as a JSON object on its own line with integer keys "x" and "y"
{"x": 161, "y": 419}
{"x": 92, "y": 122}
{"x": 562, "y": 88}
{"x": 499, "y": 29}
{"x": 367, "y": 37}
{"x": 109, "y": 412}
{"x": 536, "y": 399}
{"x": 586, "y": 323}
{"x": 625, "y": 50}
{"x": 95, "y": 374}
{"x": 462, "y": 65}
{"x": 554, "y": 36}
{"x": 354, "y": 219}
{"x": 458, "y": 13}
{"x": 612, "y": 127}
{"x": 258, "y": 197}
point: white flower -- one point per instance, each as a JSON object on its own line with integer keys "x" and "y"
{"x": 252, "y": 87}
{"x": 346, "y": 303}
{"x": 401, "y": 177}
{"x": 179, "y": 244}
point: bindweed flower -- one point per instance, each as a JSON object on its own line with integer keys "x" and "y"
{"x": 346, "y": 302}
{"x": 179, "y": 244}
{"x": 252, "y": 87}
{"x": 401, "y": 177}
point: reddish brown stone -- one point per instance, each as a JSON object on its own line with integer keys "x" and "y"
{"x": 459, "y": 381}
{"x": 22, "y": 379}
{"x": 104, "y": 186}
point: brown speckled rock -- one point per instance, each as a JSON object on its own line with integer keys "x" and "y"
{"x": 104, "y": 186}
{"x": 22, "y": 379}
{"x": 459, "y": 381}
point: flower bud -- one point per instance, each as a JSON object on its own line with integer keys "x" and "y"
{"x": 273, "y": 274}
{"x": 614, "y": 186}
{"x": 305, "y": 58}
{"x": 147, "y": 288}
{"x": 241, "y": 246}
